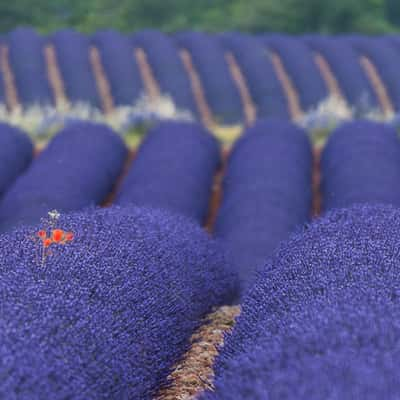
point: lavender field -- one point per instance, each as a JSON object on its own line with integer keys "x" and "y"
{"x": 199, "y": 216}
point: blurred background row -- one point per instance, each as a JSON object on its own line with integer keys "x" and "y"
{"x": 226, "y": 79}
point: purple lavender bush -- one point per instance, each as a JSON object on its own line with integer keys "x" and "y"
{"x": 120, "y": 66}
{"x": 110, "y": 313}
{"x": 300, "y": 66}
{"x": 361, "y": 164}
{"x": 338, "y": 350}
{"x": 174, "y": 169}
{"x": 266, "y": 192}
{"x": 393, "y": 39}
{"x": 321, "y": 321}
{"x": 167, "y": 67}
{"x": 386, "y": 60}
{"x": 345, "y": 65}
{"x": 72, "y": 51}
{"x": 263, "y": 84}
{"x": 2, "y": 82}
{"x": 78, "y": 168}
{"x": 16, "y": 152}
{"x": 219, "y": 88}
{"x": 26, "y": 58}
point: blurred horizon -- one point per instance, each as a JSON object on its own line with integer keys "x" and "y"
{"x": 252, "y": 16}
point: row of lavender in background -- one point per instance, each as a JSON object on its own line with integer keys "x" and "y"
{"x": 267, "y": 64}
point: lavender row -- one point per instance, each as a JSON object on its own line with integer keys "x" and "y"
{"x": 266, "y": 193}
{"x": 27, "y": 61}
{"x": 346, "y": 68}
{"x": 321, "y": 320}
{"x": 77, "y": 63}
{"x": 2, "y": 81}
{"x": 299, "y": 64}
{"x": 110, "y": 313}
{"x": 77, "y": 169}
{"x": 167, "y": 67}
{"x": 120, "y": 66}
{"x": 265, "y": 89}
{"x": 209, "y": 62}
{"x": 361, "y": 164}
{"x": 16, "y": 153}
{"x": 386, "y": 60}
{"x": 73, "y": 60}
{"x": 174, "y": 169}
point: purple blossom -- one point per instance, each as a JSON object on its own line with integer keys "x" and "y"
{"x": 26, "y": 57}
{"x": 111, "y": 312}
{"x": 300, "y": 66}
{"x": 386, "y": 60}
{"x": 263, "y": 84}
{"x": 361, "y": 164}
{"x": 345, "y": 65}
{"x": 72, "y": 51}
{"x": 120, "y": 66}
{"x": 321, "y": 320}
{"x": 174, "y": 169}
{"x": 16, "y": 152}
{"x": 167, "y": 67}
{"x": 78, "y": 168}
{"x": 219, "y": 88}
{"x": 266, "y": 192}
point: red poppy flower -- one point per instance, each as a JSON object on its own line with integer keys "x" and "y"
{"x": 57, "y": 235}
{"x": 47, "y": 242}
{"x": 42, "y": 234}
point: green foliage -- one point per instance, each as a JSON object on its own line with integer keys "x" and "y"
{"x": 293, "y": 16}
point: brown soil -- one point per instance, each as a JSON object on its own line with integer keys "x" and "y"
{"x": 103, "y": 86}
{"x": 292, "y": 96}
{"x": 197, "y": 89}
{"x": 216, "y": 194}
{"x": 150, "y": 82}
{"x": 9, "y": 81}
{"x": 250, "y": 109}
{"x": 194, "y": 372}
{"x": 329, "y": 77}
{"x": 55, "y": 78}
{"x": 378, "y": 85}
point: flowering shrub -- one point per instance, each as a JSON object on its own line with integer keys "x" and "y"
{"x": 26, "y": 58}
{"x": 299, "y": 64}
{"x": 265, "y": 88}
{"x": 174, "y": 168}
{"x": 321, "y": 320}
{"x": 113, "y": 311}
{"x": 78, "y": 168}
{"x": 56, "y": 236}
{"x": 266, "y": 192}
{"x": 2, "y": 85}
{"x": 386, "y": 60}
{"x": 167, "y": 67}
{"x": 72, "y": 52}
{"x": 361, "y": 163}
{"x": 220, "y": 91}
{"x": 16, "y": 153}
{"x": 120, "y": 66}
{"x": 345, "y": 65}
